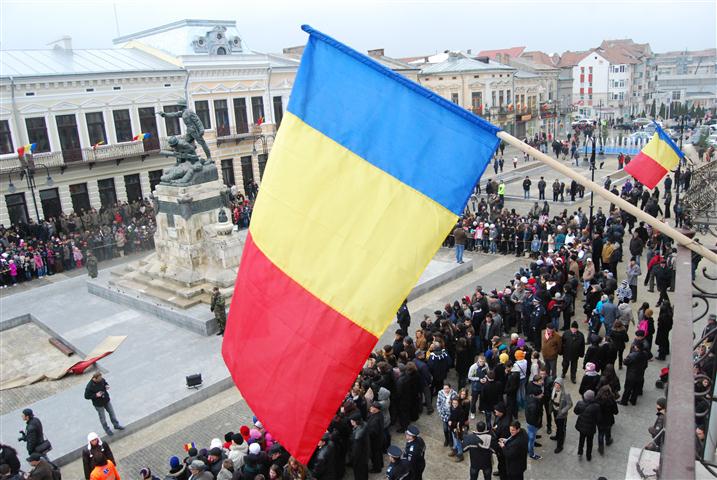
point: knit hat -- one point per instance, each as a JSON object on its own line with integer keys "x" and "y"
{"x": 519, "y": 355}
{"x": 589, "y": 396}
{"x": 488, "y": 354}
{"x": 215, "y": 452}
{"x": 145, "y": 473}
{"x": 254, "y": 448}
{"x": 215, "y": 443}
{"x": 197, "y": 465}
{"x": 590, "y": 367}
{"x": 503, "y": 358}
{"x": 244, "y": 431}
{"x": 521, "y": 342}
{"x": 254, "y": 434}
{"x": 662, "y": 403}
{"x": 174, "y": 462}
{"x": 237, "y": 438}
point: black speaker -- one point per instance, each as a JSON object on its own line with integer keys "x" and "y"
{"x": 194, "y": 381}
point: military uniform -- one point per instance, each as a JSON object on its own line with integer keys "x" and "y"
{"x": 219, "y": 308}
{"x": 91, "y": 264}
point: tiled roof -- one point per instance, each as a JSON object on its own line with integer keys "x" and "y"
{"x": 510, "y": 52}
{"x": 570, "y": 59}
{"x": 58, "y": 61}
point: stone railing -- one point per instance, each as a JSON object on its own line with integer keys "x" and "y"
{"x": 49, "y": 159}
{"x": 115, "y": 151}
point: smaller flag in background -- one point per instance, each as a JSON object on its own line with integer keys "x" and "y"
{"x": 260, "y": 120}
{"x": 29, "y": 148}
{"x": 658, "y": 157}
{"x": 94, "y": 147}
{"x": 141, "y": 136}
{"x": 189, "y": 445}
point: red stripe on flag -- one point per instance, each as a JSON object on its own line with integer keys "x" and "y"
{"x": 646, "y": 170}
{"x": 293, "y": 357}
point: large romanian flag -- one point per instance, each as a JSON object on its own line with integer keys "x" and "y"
{"x": 368, "y": 174}
{"x": 658, "y": 157}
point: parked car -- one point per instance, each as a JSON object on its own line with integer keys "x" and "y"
{"x": 625, "y": 125}
{"x": 640, "y": 137}
{"x": 641, "y": 122}
{"x": 584, "y": 122}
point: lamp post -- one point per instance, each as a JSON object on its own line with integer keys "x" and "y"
{"x": 679, "y": 164}
{"x": 27, "y": 170}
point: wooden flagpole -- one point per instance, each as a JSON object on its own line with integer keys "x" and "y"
{"x": 623, "y": 204}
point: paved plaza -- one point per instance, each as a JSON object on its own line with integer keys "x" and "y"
{"x": 147, "y": 372}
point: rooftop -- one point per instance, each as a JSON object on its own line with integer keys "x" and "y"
{"x": 60, "y": 61}
{"x": 510, "y": 52}
{"x": 458, "y": 62}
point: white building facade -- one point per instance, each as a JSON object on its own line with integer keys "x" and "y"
{"x": 82, "y": 108}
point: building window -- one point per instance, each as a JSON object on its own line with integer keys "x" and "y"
{"x": 263, "y": 157}
{"x": 69, "y": 138}
{"x": 582, "y": 69}
{"x": 37, "y": 133}
{"x": 590, "y": 69}
{"x": 16, "y": 208}
{"x": 476, "y": 99}
{"x": 148, "y": 124}
{"x": 676, "y": 95}
{"x": 247, "y": 173}
{"x": 493, "y": 97}
{"x": 507, "y": 96}
{"x": 172, "y": 123}
{"x": 201, "y": 107}
{"x": 155, "y": 177}
{"x": 96, "y": 127}
{"x": 278, "y": 110}
{"x": 454, "y": 98}
{"x": 5, "y": 138}
{"x": 80, "y": 197}
{"x": 133, "y": 187}
{"x": 221, "y": 115}
{"x": 51, "y": 205}
{"x": 257, "y": 109}
{"x": 123, "y": 125}
{"x": 228, "y": 172}
{"x": 108, "y": 194}
{"x": 240, "y": 115}
{"x": 500, "y": 98}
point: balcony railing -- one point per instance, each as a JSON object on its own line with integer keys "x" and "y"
{"x": 227, "y": 133}
{"x": 115, "y": 151}
{"x": 50, "y": 159}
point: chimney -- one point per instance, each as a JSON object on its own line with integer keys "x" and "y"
{"x": 376, "y": 52}
{"x": 470, "y": 51}
{"x": 483, "y": 59}
{"x": 63, "y": 43}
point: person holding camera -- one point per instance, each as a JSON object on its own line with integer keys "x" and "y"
{"x": 96, "y": 391}
{"x": 33, "y": 434}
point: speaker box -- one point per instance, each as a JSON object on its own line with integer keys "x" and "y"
{"x": 194, "y": 381}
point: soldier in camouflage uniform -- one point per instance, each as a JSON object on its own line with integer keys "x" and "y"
{"x": 219, "y": 308}
{"x": 91, "y": 264}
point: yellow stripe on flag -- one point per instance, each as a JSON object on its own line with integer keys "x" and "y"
{"x": 661, "y": 152}
{"x": 346, "y": 231}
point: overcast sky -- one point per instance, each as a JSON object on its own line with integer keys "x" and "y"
{"x": 402, "y": 27}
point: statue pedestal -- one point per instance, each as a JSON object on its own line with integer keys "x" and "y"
{"x": 196, "y": 250}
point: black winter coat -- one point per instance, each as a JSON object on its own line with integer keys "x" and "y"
{"x": 323, "y": 462}
{"x": 360, "y": 446}
{"x": 93, "y": 388}
{"x": 490, "y": 395}
{"x": 33, "y": 434}
{"x": 516, "y": 454}
{"x": 664, "y": 325}
{"x": 8, "y": 456}
{"x": 589, "y": 416}
{"x": 592, "y": 355}
{"x": 636, "y": 363}
{"x": 589, "y": 382}
{"x": 534, "y": 405}
{"x": 608, "y": 410}
{"x": 573, "y": 344}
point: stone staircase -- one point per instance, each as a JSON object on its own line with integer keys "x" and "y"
{"x": 139, "y": 277}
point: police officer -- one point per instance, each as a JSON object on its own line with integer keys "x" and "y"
{"x": 415, "y": 452}
{"x": 398, "y": 468}
{"x": 403, "y": 317}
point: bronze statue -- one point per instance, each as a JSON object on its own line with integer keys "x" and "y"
{"x": 189, "y": 169}
{"x": 195, "y": 129}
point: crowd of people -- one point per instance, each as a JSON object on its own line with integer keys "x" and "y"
{"x": 29, "y": 251}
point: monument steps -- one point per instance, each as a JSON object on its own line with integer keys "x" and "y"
{"x": 158, "y": 293}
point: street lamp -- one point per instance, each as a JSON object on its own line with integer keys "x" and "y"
{"x": 27, "y": 170}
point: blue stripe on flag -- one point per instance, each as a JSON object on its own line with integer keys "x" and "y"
{"x": 666, "y": 138}
{"x": 418, "y": 137}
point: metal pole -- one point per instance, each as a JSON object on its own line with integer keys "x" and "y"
{"x": 31, "y": 185}
{"x": 592, "y": 179}
{"x": 679, "y": 164}
{"x": 621, "y": 203}
{"x": 678, "y": 452}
